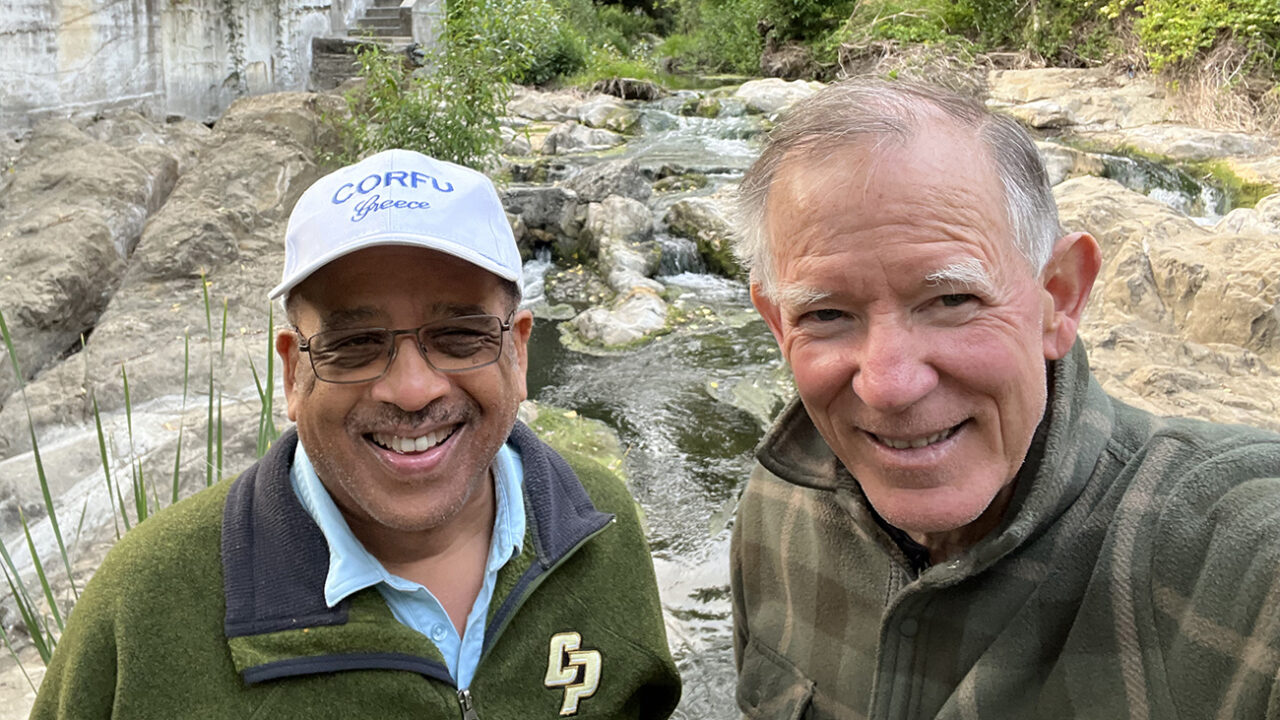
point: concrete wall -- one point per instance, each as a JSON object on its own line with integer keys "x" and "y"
{"x": 188, "y": 57}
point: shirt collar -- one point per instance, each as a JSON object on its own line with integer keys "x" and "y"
{"x": 353, "y": 568}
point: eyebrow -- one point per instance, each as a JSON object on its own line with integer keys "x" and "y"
{"x": 361, "y": 316}
{"x": 347, "y": 317}
{"x": 968, "y": 274}
{"x": 797, "y": 295}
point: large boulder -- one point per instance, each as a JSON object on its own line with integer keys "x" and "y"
{"x": 1186, "y": 143}
{"x": 70, "y": 217}
{"x": 570, "y": 137}
{"x": 772, "y": 95}
{"x": 1062, "y": 162}
{"x": 620, "y": 228}
{"x": 1182, "y": 320}
{"x": 609, "y": 113}
{"x": 538, "y": 105}
{"x": 551, "y": 216}
{"x": 221, "y": 232}
{"x": 615, "y": 177}
{"x": 1095, "y": 97}
{"x": 631, "y": 318}
{"x": 705, "y": 220}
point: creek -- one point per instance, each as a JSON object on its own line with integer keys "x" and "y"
{"x": 688, "y": 405}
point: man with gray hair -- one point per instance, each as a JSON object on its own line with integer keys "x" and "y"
{"x": 953, "y": 520}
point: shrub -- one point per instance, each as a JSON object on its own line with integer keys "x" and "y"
{"x": 451, "y": 111}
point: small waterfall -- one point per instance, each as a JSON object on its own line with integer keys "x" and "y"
{"x": 679, "y": 255}
{"x": 535, "y": 276}
{"x": 1176, "y": 188}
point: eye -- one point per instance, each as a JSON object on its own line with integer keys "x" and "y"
{"x": 956, "y": 299}
{"x": 823, "y": 315}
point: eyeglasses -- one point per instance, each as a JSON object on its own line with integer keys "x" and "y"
{"x": 365, "y": 354}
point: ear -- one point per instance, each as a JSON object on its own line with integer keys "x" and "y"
{"x": 287, "y": 349}
{"x": 768, "y": 310}
{"x": 521, "y": 329}
{"x": 1068, "y": 280}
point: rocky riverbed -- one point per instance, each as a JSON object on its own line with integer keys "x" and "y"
{"x": 114, "y": 232}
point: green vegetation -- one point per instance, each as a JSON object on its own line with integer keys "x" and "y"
{"x": 44, "y": 620}
{"x": 452, "y": 111}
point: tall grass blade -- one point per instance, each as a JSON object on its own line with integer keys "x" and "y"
{"x": 186, "y": 374}
{"x": 222, "y": 348}
{"x": 209, "y": 432}
{"x": 219, "y": 435}
{"x": 139, "y": 481}
{"x": 39, "y": 566}
{"x": 35, "y": 453}
{"x": 9, "y": 646}
{"x": 268, "y": 423}
{"x": 31, "y": 617}
{"x": 267, "y": 432}
{"x": 36, "y": 627}
{"x": 106, "y": 472}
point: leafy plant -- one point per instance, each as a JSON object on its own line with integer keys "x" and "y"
{"x": 452, "y": 110}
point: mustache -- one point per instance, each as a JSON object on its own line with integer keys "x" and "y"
{"x": 391, "y": 415}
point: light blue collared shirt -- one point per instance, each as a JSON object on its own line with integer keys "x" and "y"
{"x": 352, "y": 568}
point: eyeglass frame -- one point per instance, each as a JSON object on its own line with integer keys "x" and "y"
{"x": 504, "y": 326}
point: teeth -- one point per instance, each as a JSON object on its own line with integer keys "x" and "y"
{"x": 412, "y": 444}
{"x": 916, "y": 442}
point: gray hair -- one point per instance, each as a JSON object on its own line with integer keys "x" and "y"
{"x": 846, "y": 112}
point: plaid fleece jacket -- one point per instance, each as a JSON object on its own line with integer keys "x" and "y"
{"x": 1136, "y": 575}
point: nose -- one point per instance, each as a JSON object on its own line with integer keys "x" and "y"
{"x": 893, "y": 367}
{"x": 410, "y": 383}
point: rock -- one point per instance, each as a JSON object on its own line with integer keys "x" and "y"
{"x": 1043, "y": 114}
{"x": 539, "y": 105}
{"x": 515, "y": 142}
{"x": 629, "y": 88}
{"x": 1186, "y": 143}
{"x": 609, "y": 113}
{"x": 1093, "y": 97}
{"x": 789, "y": 61}
{"x": 567, "y": 431}
{"x": 702, "y": 106}
{"x": 618, "y": 219}
{"x": 551, "y": 215}
{"x": 773, "y": 95}
{"x": 1062, "y": 162}
{"x": 569, "y": 136}
{"x": 70, "y": 218}
{"x": 705, "y": 220}
{"x": 630, "y": 319}
{"x": 1262, "y": 219}
{"x": 614, "y": 177}
{"x": 1263, "y": 171}
{"x": 225, "y": 218}
{"x": 620, "y": 227}
{"x": 680, "y": 183}
{"x": 1182, "y": 320}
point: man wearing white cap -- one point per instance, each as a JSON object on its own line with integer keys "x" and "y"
{"x": 411, "y": 550}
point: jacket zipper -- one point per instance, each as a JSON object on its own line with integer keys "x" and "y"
{"x": 502, "y": 625}
{"x": 468, "y": 708}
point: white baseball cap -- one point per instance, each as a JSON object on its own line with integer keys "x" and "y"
{"x": 399, "y": 197}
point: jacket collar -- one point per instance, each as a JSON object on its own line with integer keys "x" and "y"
{"x": 270, "y": 589}
{"x": 1067, "y": 445}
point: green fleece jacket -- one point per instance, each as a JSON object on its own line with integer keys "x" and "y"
{"x": 215, "y": 609}
{"x": 1135, "y": 575}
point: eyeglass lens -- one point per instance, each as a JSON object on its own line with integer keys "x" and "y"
{"x": 362, "y": 354}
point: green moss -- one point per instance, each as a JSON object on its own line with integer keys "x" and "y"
{"x": 1240, "y": 192}
{"x": 567, "y": 431}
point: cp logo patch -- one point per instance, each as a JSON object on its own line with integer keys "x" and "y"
{"x": 574, "y": 669}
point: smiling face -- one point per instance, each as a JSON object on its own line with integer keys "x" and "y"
{"x": 916, "y": 331}
{"x": 410, "y": 451}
